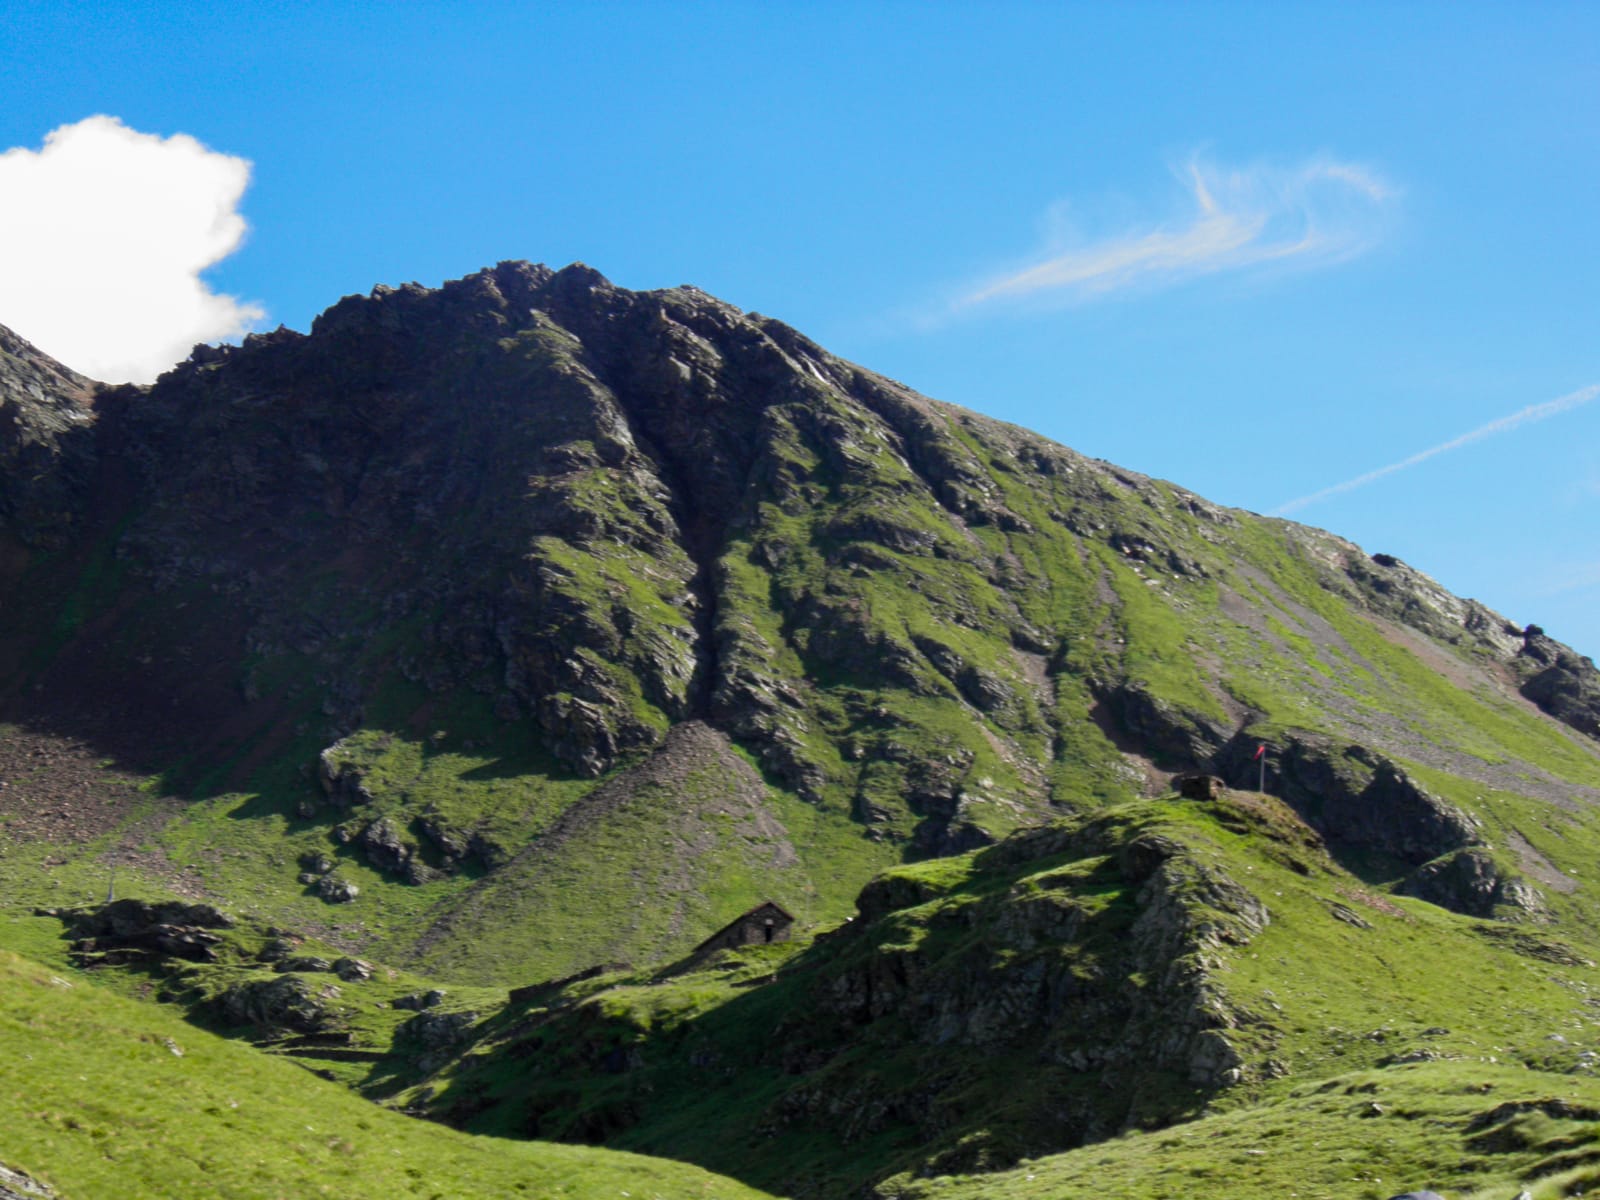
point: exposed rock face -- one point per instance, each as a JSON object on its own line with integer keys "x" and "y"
{"x": 132, "y": 928}
{"x": 418, "y": 1001}
{"x": 289, "y": 1002}
{"x": 1097, "y": 994}
{"x": 15, "y": 1185}
{"x": 1171, "y": 732}
{"x": 352, "y": 970}
{"x": 385, "y": 849}
{"x": 567, "y": 523}
{"x": 336, "y": 890}
{"x": 1559, "y": 680}
{"x": 341, "y": 778}
{"x": 1096, "y": 951}
{"x": 46, "y": 443}
{"x": 1357, "y": 798}
{"x": 1470, "y": 881}
{"x": 436, "y": 1031}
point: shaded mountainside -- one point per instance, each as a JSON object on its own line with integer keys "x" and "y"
{"x": 477, "y": 599}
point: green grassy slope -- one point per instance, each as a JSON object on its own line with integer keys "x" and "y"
{"x": 109, "y": 1097}
{"x": 1024, "y": 999}
{"x": 1470, "y": 1131}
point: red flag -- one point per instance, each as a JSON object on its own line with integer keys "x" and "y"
{"x": 1260, "y": 750}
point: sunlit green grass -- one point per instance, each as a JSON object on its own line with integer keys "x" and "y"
{"x": 108, "y": 1097}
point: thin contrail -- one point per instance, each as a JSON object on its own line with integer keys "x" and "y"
{"x": 1526, "y": 416}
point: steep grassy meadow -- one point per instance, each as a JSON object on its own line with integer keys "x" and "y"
{"x": 527, "y": 625}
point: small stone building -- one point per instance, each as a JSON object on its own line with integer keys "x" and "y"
{"x": 766, "y": 922}
{"x": 1199, "y": 787}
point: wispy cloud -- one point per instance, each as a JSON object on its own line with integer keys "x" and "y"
{"x": 1572, "y": 579}
{"x": 1318, "y": 213}
{"x": 104, "y": 235}
{"x": 1526, "y": 416}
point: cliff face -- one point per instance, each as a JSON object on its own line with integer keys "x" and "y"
{"x": 538, "y": 522}
{"x": 45, "y": 443}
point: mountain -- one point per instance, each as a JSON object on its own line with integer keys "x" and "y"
{"x": 529, "y": 626}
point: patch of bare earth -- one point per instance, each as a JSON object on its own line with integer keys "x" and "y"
{"x": 1537, "y": 865}
{"x": 57, "y": 789}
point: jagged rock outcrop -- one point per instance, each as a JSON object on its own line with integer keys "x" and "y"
{"x": 125, "y": 929}
{"x": 46, "y": 443}
{"x": 1557, "y": 678}
{"x": 1473, "y": 882}
{"x": 285, "y": 1003}
{"x": 1170, "y": 732}
{"x": 16, "y": 1185}
{"x": 1097, "y": 951}
{"x": 1561, "y": 681}
{"x": 1100, "y": 992}
{"x": 341, "y": 777}
{"x": 1355, "y": 797}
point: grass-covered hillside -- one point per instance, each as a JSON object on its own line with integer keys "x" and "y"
{"x": 1144, "y": 999}
{"x": 530, "y": 623}
{"x": 1203, "y": 968}
{"x": 1471, "y": 1131}
{"x": 106, "y": 1096}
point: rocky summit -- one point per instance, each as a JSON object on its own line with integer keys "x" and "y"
{"x": 524, "y": 632}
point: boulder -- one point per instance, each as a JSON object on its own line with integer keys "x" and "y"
{"x": 384, "y": 847}
{"x": 436, "y": 1031}
{"x": 417, "y": 1001}
{"x": 335, "y": 890}
{"x": 303, "y": 962}
{"x": 287, "y": 1002}
{"x": 343, "y": 780}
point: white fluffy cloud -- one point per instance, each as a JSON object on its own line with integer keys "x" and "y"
{"x": 1316, "y": 214}
{"x": 104, "y": 233}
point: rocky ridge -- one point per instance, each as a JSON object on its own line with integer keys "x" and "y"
{"x": 45, "y": 443}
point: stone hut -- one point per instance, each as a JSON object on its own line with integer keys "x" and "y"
{"x": 1199, "y": 787}
{"x": 766, "y": 922}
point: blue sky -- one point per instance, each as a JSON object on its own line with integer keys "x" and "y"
{"x": 1260, "y": 250}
